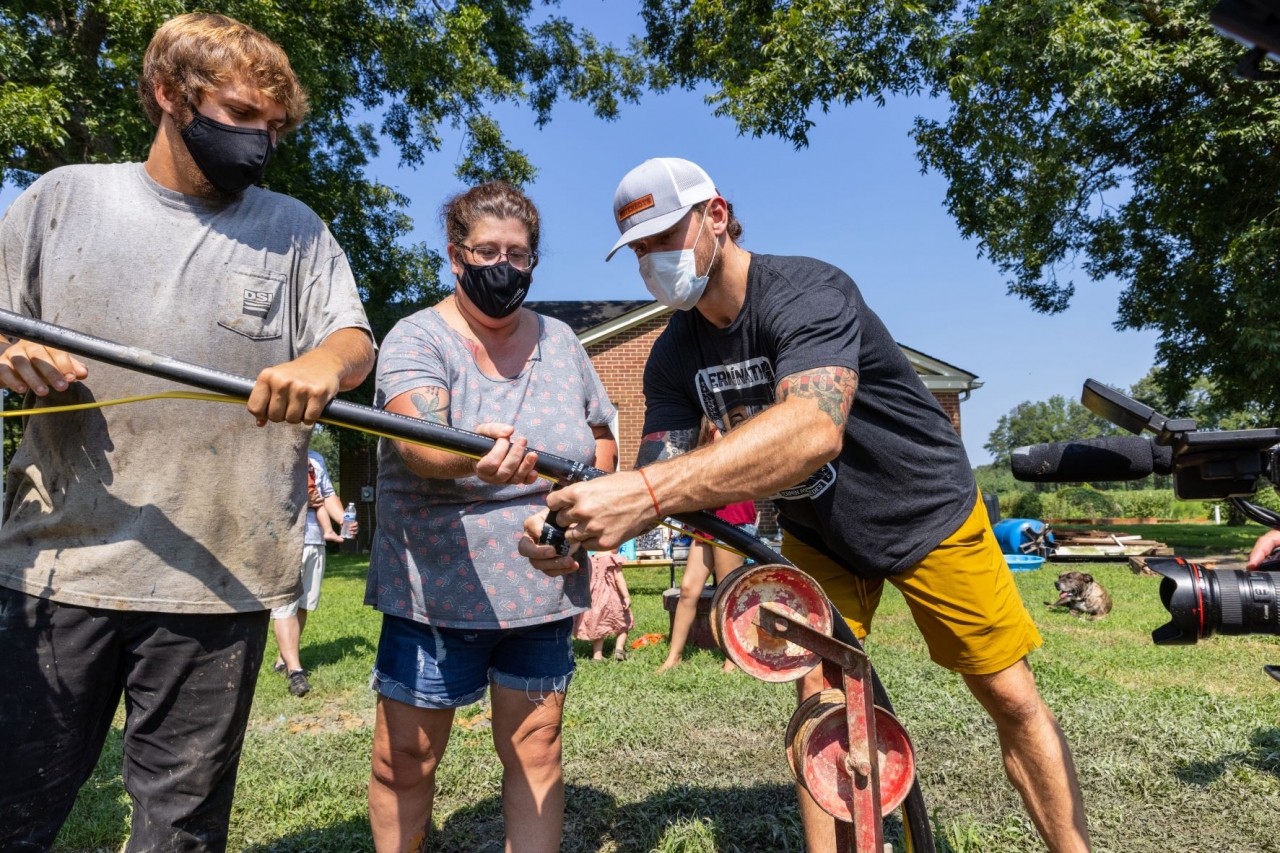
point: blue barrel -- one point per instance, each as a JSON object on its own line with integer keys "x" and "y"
{"x": 1021, "y": 535}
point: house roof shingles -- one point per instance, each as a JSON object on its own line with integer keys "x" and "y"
{"x": 582, "y": 316}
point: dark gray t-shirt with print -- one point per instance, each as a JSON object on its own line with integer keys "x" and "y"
{"x": 444, "y": 552}
{"x": 902, "y": 482}
{"x": 169, "y": 505}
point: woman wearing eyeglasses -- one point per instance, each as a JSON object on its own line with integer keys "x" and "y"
{"x": 462, "y": 610}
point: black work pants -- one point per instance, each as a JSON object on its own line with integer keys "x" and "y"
{"x": 187, "y": 682}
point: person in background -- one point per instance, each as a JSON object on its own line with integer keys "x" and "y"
{"x": 290, "y": 620}
{"x": 329, "y": 512}
{"x": 462, "y": 610}
{"x": 705, "y": 560}
{"x": 610, "y": 611}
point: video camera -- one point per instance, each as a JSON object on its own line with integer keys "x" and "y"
{"x": 1219, "y": 465}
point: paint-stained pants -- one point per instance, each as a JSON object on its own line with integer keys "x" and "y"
{"x": 187, "y": 682}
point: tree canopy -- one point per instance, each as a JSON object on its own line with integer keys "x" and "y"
{"x": 1097, "y": 137}
{"x": 1062, "y": 419}
{"x": 1201, "y": 402}
{"x": 1042, "y": 422}
{"x": 68, "y": 70}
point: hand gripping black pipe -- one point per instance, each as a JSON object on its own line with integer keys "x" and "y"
{"x": 562, "y": 471}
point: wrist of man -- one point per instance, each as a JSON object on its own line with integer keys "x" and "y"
{"x": 646, "y": 478}
{"x": 325, "y": 359}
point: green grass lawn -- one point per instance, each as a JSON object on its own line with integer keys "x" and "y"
{"x": 1177, "y": 748}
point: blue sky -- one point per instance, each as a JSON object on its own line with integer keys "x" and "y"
{"x": 855, "y": 198}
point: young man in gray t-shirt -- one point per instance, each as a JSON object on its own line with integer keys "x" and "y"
{"x": 143, "y": 546}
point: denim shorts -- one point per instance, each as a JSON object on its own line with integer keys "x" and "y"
{"x": 431, "y": 667}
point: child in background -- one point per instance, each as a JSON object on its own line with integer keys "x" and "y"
{"x": 703, "y": 561}
{"x": 610, "y": 611}
{"x": 322, "y": 514}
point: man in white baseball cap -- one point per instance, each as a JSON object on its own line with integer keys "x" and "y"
{"x": 652, "y": 199}
{"x": 871, "y": 487}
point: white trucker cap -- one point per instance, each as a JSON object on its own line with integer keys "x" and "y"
{"x": 656, "y": 195}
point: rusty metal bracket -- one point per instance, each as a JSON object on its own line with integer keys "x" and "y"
{"x": 866, "y": 833}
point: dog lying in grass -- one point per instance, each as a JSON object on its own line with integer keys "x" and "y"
{"x": 1081, "y": 595}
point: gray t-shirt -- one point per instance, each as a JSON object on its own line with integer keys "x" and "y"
{"x": 171, "y": 505}
{"x": 444, "y": 552}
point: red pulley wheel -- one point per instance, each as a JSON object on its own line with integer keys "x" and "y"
{"x": 821, "y": 746}
{"x": 736, "y": 607}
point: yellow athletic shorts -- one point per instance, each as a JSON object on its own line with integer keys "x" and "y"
{"x": 962, "y": 597}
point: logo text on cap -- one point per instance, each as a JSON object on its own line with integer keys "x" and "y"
{"x": 631, "y": 208}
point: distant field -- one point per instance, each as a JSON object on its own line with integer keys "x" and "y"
{"x": 1177, "y": 747}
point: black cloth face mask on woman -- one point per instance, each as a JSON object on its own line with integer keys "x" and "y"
{"x": 497, "y": 289}
{"x": 231, "y": 157}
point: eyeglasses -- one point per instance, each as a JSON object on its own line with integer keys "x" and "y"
{"x": 523, "y": 261}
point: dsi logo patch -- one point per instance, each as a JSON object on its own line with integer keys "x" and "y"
{"x": 257, "y": 302}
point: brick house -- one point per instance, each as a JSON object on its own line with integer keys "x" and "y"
{"x": 617, "y": 335}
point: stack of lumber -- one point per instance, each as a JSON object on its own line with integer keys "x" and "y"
{"x": 1097, "y": 546}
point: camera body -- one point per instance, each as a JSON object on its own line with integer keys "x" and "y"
{"x": 1206, "y": 466}
{"x": 1256, "y": 24}
{"x": 1226, "y": 465}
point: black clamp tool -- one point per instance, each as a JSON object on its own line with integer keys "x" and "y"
{"x": 554, "y": 535}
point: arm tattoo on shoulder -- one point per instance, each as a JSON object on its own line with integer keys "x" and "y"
{"x": 432, "y": 404}
{"x": 657, "y": 446}
{"x": 832, "y": 388}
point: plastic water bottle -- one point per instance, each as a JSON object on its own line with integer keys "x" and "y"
{"x": 349, "y": 520}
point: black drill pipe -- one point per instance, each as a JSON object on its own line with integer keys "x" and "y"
{"x": 341, "y": 413}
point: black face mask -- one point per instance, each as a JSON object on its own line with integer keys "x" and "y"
{"x": 497, "y": 290}
{"x": 231, "y": 157}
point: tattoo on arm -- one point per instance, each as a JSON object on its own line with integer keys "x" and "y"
{"x": 832, "y": 388}
{"x": 432, "y": 404}
{"x": 657, "y": 446}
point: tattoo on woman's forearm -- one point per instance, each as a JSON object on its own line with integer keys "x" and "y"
{"x": 432, "y": 404}
{"x": 832, "y": 388}
{"x": 667, "y": 444}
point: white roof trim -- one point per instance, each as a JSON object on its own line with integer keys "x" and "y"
{"x": 621, "y": 324}
{"x": 929, "y": 366}
{"x": 942, "y": 383}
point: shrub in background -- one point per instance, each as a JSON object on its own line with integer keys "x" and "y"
{"x": 1145, "y": 504}
{"x": 1080, "y": 502}
{"x": 1267, "y": 496}
{"x": 1087, "y": 502}
{"x": 1021, "y": 505}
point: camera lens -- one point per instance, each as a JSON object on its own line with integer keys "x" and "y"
{"x": 1202, "y": 601}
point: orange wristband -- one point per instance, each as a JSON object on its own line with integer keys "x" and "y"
{"x": 652, "y": 496}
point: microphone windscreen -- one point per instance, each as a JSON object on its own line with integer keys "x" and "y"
{"x": 1091, "y": 460}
